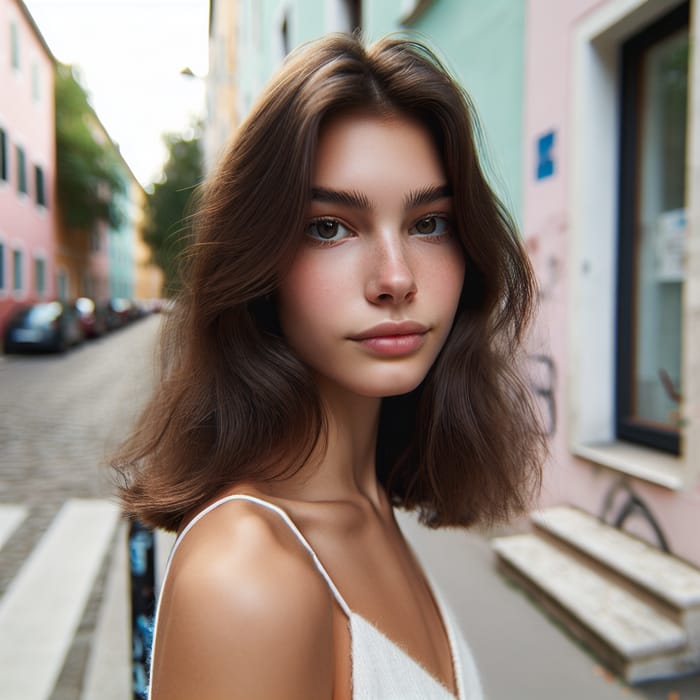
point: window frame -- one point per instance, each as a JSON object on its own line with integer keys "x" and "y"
{"x": 631, "y": 54}
{"x": 4, "y": 156}
{"x": 21, "y": 157}
{"x": 40, "y": 274}
{"x": 40, "y": 186}
{"x": 14, "y": 46}
{"x": 36, "y": 82}
{"x": 18, "y": 264}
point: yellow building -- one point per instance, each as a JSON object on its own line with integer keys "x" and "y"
{"x": 148, "y": 278}
{"x": 223, "y": 112}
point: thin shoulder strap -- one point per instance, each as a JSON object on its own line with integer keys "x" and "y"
{"x": 290, "y": 523}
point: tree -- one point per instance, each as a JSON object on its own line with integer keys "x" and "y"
{"x": 165, "y": 229}
{"x": 87, "y": 171}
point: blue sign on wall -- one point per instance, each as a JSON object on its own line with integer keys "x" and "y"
{"x": 545, "y": 155}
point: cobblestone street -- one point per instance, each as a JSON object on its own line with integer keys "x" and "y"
{"x": 60, "y": 418}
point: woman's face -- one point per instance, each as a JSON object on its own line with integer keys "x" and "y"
{"x": 371, "y": 295}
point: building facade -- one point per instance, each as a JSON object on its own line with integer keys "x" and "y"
{"x": 591, "y": 115}
{"x": 612, "y": 221}
{"x": 221, "y": 80}
{"x": 148, "y": 277}
{"x": 27, "y": 158}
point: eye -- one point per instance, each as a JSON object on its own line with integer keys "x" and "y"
{"x": 327, "y": 230}
{"x": 430, "y": 226}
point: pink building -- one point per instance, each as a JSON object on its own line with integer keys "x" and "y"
{"x": 611, "y": 217}
{"x": 27, "y": 161}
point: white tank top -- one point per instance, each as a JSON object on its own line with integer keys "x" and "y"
{"x": 381, "y": 669}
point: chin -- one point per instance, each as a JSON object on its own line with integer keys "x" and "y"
{"x": 390, "y": 386}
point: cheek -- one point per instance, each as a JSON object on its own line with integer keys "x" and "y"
{"x": 446, "y": 278}
{"x": 309, "y": 292}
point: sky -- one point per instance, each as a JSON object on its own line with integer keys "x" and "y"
{"x": 131, "y": 54}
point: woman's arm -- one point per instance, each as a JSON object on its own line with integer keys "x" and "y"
{"x": 244, "y": 616}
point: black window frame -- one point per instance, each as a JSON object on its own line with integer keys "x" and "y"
{"x": 632, "y": 52}
{"x": 40, "y": 186}
{"x": 4, "y": 156}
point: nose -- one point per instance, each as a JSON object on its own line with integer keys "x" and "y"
{"x": 390, "y": 278}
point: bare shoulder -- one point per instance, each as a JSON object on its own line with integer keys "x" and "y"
{"x": 244, "y": 613}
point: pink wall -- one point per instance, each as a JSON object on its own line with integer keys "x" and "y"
{"x": 29, "y": 123}
{"x": 547, "y": 206}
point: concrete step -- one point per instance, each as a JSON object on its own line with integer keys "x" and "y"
{"x": 670, "y": 579}
{"x": 633, "y": 638}
{"x": 10, "y": 518}
{"x": 42, "y": 607}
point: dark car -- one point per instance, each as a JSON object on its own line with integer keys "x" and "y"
{"x": 119, "y": 313}
{"x": 51, "y": 326}
{"x": 92, "y": 318}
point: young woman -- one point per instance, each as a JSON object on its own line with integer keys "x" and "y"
{"x": 347, "y": 342}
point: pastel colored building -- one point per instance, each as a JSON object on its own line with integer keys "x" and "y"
{"x": 148, "y": 277}
{"x": 221, "y": 80}
{"x": 27, "y": 161}
{"x": 121, "y": 247}
{"x": 466, "y": 36}
{"x": 83, "y": 256}
{"x": 101, "y": 263}
{"x": 591, "y": 115}
{"x": 611, "y": 216}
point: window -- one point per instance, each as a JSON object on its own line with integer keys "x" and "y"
{"x": 35, "y": 83}
{"x": 21, "y": 170}
{"x": 40, "y": 276}
{"x": 39, "y": 187}
{"x": 354, "y": 10}
{"x": 652, "y": 228}
{"x": 14, "y": 46}
{"x": 17, "y": 270}
{"x": 2, "y": 267}
{"x": 4, "y": 156}
{"x": 62, "y": 284}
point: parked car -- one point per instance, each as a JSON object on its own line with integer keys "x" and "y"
{"x": 51, "y": 326}
{"x": 92, "y": 318}
{"x": 119, "y": 313}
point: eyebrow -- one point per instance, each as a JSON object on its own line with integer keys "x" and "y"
{"x": 358, "y": 200}
{"x": 426, "y": 195}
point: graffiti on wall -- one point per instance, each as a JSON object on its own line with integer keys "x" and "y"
{"x": 546, "y": 248}
{"x": 142, "y": 565}
{"x": 543, "y": 383}
{"x": 622, "y": 505}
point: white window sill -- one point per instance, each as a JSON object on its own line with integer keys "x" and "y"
{"x": 641, "y": 462}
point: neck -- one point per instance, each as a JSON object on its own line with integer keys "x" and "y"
{"x": 343, "y": 465}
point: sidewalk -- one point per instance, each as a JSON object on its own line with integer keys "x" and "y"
{"x": 521, "y": 655}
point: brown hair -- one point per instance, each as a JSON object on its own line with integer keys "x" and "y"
{"x": 236, "y": 405}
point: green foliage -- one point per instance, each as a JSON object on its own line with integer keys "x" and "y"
{"x": 87, "y": 171}
{"x": 166, "y": 230}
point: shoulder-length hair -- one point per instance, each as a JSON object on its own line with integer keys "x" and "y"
{"x": 235, "y": 405}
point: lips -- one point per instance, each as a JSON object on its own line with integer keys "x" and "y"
{"x": 393, "y": 339}
{"x": 391, "y": 329}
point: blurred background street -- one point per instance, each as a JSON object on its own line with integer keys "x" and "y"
{"x": 112, "y": 112}
{"x": 61, "y": 417}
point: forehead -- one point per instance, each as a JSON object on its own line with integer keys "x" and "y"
{"x": 364, "y": 151}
